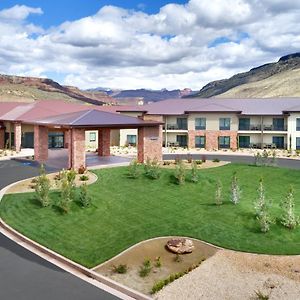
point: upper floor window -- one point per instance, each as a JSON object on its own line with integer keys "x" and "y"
{"x": 298, "y": 124}
{"x": 278, "y": 123}
{"x": 200, "y": 123}
{"x": 244, "y": 124}
{"x": 224, "y": 123}
{"x": 182, "y": 123}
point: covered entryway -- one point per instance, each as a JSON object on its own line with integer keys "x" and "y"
{"x": 70, "y": 130}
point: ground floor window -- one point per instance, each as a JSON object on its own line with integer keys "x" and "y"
{"x": 224, "y": 142}
{"x": 131, "y": 139}
{"x": 181, "y": 140}
{"x": 12, "y": 139}
{"x": 278, "y": 141}
{"x": 55, "y": 140}
{"x": 92, "y": 136}
{"x": 244, "y": 141}
{"x": 200, "y": 141}
{"x": 298, "y": 143}
{"x": 27, "y": 140}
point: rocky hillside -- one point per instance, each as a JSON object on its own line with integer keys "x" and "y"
{"x": 279, "y": 79}
{"x": 30, "y": 89}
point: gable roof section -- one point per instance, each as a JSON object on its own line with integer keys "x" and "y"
{"x": 95, "y": 118}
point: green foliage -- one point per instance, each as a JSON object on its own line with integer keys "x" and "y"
{"x": 235, "y": 189}
{"x": 42, "y": 188}
{"x": 216, "y": 160}
{"x": 177, "y": 258}
{"x": 120, "y": 269}
{"x": 133, "y": 169}
{"x": 261, "y": 296}
{"x": 146, "y": 268}
{"x": 67, "y": 187}
{"x": 218, "y": 195}
{"x": 194, "y": 172}
{"x": 84, "y": 178}
{"x": 289, "y": 218}
{"x": 152, "y": 168}
{"x": 198, "y": 162}
{"x": 180, "y": 172}
{"x": 157, "y": 262}
{"x": 84, "y": 198}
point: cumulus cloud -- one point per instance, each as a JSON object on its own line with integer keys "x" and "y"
{"x": 177, "y": 47}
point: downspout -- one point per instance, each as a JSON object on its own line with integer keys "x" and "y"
{"x": 166, "y": 138}
{"x": 262, "y": 130}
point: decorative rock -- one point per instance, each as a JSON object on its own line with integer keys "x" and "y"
{"x": 180, "y": 246}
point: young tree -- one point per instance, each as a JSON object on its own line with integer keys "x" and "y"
{"x": 84, "y": 197}
{"x": 133, "y": 169}
{"x": 152, "y": 168}
{"x": 42, "y": 188}
{"x": 194, "y": 174}
{"x": 218, "y": 195}
{"x": 235, "y": 189}
{"x": 289, "y": 218}
{"x": 180, "y": 172}
{"x": 261, "y": 206}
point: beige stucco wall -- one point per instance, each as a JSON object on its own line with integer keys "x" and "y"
{"x": 292, "y": 126}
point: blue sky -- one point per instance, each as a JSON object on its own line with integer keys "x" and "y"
{"x": 144, "y": 44}
{"x": 58, "y": 11}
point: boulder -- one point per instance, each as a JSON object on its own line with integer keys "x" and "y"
{"x": 180, "y": 246}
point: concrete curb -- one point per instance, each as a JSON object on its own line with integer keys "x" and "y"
{"x": 64, "y": 263}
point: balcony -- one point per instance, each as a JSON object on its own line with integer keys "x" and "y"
{"x": 174, "y": 127}
{"x": 258, "y": 127}
{"x": 274, "y": 128}
{"x": 250, "y": 127}
{"x": 265, "y": 146}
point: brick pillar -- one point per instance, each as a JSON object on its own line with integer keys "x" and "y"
{"x": 2, "y": 138}
{"x": 191, "y": 139}
{"x": 66, "y": 139}
{"x": 40, "y": 143}
{"x": 212, "y": 140}
{"x": 18, "y": 136}
{"x": 150, "y": 143}
{"x": 104, "y": 142}
{"x": 77, "y": 149}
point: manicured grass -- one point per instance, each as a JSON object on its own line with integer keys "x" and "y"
{"x": 126, "y": 211}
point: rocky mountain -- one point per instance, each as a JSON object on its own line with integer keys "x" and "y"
{"x": 279, "y": 79}
{"x": 30, "y": 89}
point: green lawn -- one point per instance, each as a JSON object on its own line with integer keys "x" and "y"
{"x": 126, "y": 211}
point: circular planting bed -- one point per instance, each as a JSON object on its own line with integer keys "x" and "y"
{"x": 163, "y": 263}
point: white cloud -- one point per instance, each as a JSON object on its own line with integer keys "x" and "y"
{"x": 171, "y": 49}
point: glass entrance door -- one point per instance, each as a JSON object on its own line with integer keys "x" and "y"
{"x": 55, "y": 140}
{"x": 278, "y": 141}
{"x": 182, "y": 140}
{"x": 244, "y": 141}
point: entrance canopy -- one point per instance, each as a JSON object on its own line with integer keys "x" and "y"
{"x": 94, "y": 119}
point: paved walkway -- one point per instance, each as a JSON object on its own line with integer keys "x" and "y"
{"x": 26, "y": 276}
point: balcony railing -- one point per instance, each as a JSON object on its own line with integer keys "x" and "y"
{"x": 264, "y": 146}
{"x": 258, "y": 127}
{"x": 174, "y": 127}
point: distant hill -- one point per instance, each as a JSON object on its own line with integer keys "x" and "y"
{"x": 145, "y": 95}
{"x": 279, "y": 79}
{"x": 30, "y": 89}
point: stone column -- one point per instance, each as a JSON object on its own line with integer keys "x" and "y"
{"x": 77, "y": 149}
{"x": 18, "y": 136}
{"x": 2, "y": 138}
{"x": 150, "y": 143}
{"x": 40, "y": 143}
{"x": 104, "y": 142}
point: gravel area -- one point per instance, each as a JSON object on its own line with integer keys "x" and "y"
{"x": 235, "y": 275}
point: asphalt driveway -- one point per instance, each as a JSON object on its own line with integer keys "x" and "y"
{"x": 26, "y": 276}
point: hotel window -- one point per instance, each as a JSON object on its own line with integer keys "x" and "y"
{"x": 298, "y": 124}
{"x": 200, "y": 123}
{"x": 200, "y": 141}
{"x": 182, "y": 123}
{"x": 131, "y": 139}
{"x": 224, "y": 142}
{"x": 298, "y": 143}
{"x": 224, "y": 123}
{"x": 92, "y": 136}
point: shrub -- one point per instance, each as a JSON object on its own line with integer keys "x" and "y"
{"x": 198, "y": 162}
{"x": 218, "y": 195}
{"x": 261, "y": 296}
{"x": 157, "y": 262}
{"x": 81, "y": 169}
{"x": 42, "y": 188}
{"x": 152, "y": 169}
{"x": 194, "y": 174}
{"x": 289, "y": 218}
{"x": 216, "y": 160}
{"x": 133, "y": 169}
{"x": 67, "y": 187}
{"x": 235, "y": 189}
{"x": 84, "y": 198}
{"x": 120, "y": 269}
{"x": 260, "y": 202}
{"x": 146, "y": 268}
{"x": 177, "y": 258}
{"x": 189, "y": 158}
{"x": 84, "y": 178}
{"x": 180, "y": 172}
